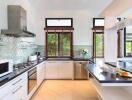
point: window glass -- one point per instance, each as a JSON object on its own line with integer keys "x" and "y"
{"x": 52, "y": 44}
{"x": 65, "y": 43}
{"x": 128, "y": 41}
{"x": 99, "y": 22}
{"x": 59, "y": 44}
{"x": 59, "y": 22}
{"x": 99, "y": 45}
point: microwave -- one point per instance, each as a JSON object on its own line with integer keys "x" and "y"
{"x": 6, "y": 67}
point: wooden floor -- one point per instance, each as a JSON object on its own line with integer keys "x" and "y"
{"x": 65, "y": 90}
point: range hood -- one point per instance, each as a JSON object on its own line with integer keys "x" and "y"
{"x": 18, "y": 33}
{"x": 17, "y": 22}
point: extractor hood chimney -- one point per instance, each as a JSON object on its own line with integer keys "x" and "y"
{"x": 17, "y": 22}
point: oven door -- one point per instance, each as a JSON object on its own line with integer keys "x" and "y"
{"x": 32, "y": 79}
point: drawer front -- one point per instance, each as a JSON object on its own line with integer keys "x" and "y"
{"x": 8, "y": 87}
{"x": 20, "y": 92}
{"x": 18, "y": 80}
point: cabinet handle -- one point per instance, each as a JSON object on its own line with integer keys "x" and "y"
{"x": 51, "y": 62}
{"x": 17, "y": 90}
{"x": 17, "y": 82}
{"x": 65, "y": 62}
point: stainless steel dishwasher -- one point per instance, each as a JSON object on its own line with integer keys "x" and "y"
{"x": 80, "y": 71}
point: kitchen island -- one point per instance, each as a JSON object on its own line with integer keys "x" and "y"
{"x": 108, "y": 85}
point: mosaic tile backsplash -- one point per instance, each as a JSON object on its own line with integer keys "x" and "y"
{"x": 19, "y": 49}
{"x": 78, "y": 51}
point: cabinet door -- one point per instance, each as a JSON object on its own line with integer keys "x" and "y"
{"x": 8, "y": 97}
{"x": 66, "y": 70}
{"x": 80, "y": 71}
{"x": 16, "y": 89}
{"x": 20, "y": 92}
{"x": 40, "y": 73}
{"x": 84, "y": 74}
{"x": 77, "y": 70}
{"x": 51, "y": 70}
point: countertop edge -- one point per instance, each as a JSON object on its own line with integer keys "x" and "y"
{"x": 8, "y": 80}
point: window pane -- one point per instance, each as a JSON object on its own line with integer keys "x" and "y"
{"x": 52, "y": 44}
{"x": 65, "y": 41}
{"x": 59, "y": 45}
{"x": 128, "y": 49}
{"x": 99, "y": 45}
{"x": 128, "y": 41}
{"x": 99, "y": 22}
{"x": 59, "y": 22}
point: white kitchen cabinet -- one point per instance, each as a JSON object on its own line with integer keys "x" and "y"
{"x": 16, "y": 89}
{"x": 7, "y": 97}
{"x": 52, "y": 69}
{"x": 59, "y": 70}
{"x": 40, "y": 73}
{"x": 66, "y": 70}
{"x": 20, "y": 92}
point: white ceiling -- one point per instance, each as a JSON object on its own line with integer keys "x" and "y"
{"x": 94, "y": 7}
{"x": 117, "y": 7}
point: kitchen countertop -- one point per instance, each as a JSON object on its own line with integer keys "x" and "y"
{"x": 83, "y": 59}
{"x": 68, "y": 59}
{"x": 17, "y": 72}
{"x": 124, "y": 65}
{"x": 105, "y": 77}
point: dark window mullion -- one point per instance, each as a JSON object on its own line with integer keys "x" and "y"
{"x": 131, "y": 46}
{"x": 59, "y": 44}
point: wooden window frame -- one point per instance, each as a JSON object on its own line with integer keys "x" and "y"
{"x": 71, "y": 45}
{"x": 94, "y": 46}
{"x": 125, "y": 43}
{"x": 94, "y": 33}
{"x": 69, "y": 29}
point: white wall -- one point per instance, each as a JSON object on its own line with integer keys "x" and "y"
{"x": 110, "y": 41}
{"x": 82, "y": 23}
{"x": 82, "y": 12}
{"x": 36, "y": 21}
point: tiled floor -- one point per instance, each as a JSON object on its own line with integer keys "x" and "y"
{"x": 66, "y": 90}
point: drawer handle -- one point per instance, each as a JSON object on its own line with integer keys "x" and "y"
{"x": 17, "y": 82}
{"x": 66, "y": 62}
{"x": 17, "y": 90}
{"x": 51, "y": 62}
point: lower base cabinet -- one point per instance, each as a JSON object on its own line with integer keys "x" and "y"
{"x": 66, "y": 70}
{"x": 52, "y": 69}
{"x": 16, "y": 89}
{"x": 20, "y": 93}
{"x": 59, "y": 70}
{"x": 40, "y": 73}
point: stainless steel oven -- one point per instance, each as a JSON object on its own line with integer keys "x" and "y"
{"x": 32, "y": 79}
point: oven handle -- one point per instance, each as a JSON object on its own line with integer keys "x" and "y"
{"x": 32, "y": 74}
